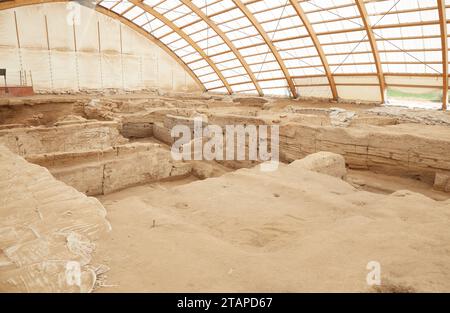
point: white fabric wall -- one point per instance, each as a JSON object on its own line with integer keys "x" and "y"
{"x": 121, "y": 58}
{"x": 355, "y": 92}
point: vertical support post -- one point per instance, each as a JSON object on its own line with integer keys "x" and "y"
{"x": 373, "y": 44}
{"x": 323, "y": 58}
{"x": 100, "y": 52}
{"x": 444, "y": 39}
{"x": 49, "y": 52}
{"x": 249, "y": 15}
{"x": 17, "y": 29}
{"x": 226, "y": 40}
{"x": 185, "y": 36}
{"x": 18, "y": 40}
{"x": 75, "y": 46}
{"x": 121, "y": 56}
{"x": 46, "y": 32}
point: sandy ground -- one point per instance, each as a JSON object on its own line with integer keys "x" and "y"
{"x": 387, "y": 184}
{"x": 291, "y": 230}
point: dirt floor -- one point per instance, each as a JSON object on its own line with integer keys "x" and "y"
{"x": 272, "y": 233}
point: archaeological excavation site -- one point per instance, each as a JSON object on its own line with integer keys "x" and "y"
{"x": 229, "y": 146}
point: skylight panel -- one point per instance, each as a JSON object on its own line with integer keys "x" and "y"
{"x": 239, "y": 80}
{"x": 242, "y": 34}
{"x": 233, "y": 72}
{"x": 177, "y": 44}
{"x": 229, "y": 64}
{"x": 166, "y": 32}
{"x": 214, "y": 84}
{"x": 211, "y": 42}
{"x": 191, "y": 58}
{"x": 255, "y": 50}
{"x": 189, "y": 50}
{"x": 198, "y": 64}
{"x": 249, "y": 42}
{"x": 152, "y": 3}
{"x": 174, "y": 14}
{"x": 210, "y": 77}
{"x": 167, "y": 6}
{"x": 268, "y": 66}
{"x": 311, "y": 62}
{"x": 203, "y": 71}
{"x": 108, "y": 3}
{"x": 154, "y": 23}
{"x": 207, "y": 34}
{"x": 210, "y": 7}
{"x": 276, "y": 13}
{"x": 215, "y": 50}
{"x": 134, "y": 12}
{"x": 273, "y": 83}
{"x": 196, "y": 27}
{"x": 243, "y": 87}
{"x": 258, "y": 59}
{"x": 141, "y": 20}
{"x": 185, "y": 20}
{"x": 270, "y": 75}
{"x": 122, "y": 6}
{"x": 223, "y": 57}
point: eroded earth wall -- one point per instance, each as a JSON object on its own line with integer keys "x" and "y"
{"x": 98, "y": 172}
{"x": 65, "y": 138}
{"x": 44, "y": 224}
{"x": 402, "y": 149}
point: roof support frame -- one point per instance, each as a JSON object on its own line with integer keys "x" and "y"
{"x": 269, "y": 43}
{"x": 367, "y": 27}
{"x": 183, "y": 35}
{"x": 227, "y": 41}
{"x": 444, "y": 39}
{"x": 373, "y": 44}
{"x": 301, "y": 14}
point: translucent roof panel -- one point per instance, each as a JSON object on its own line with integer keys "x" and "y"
{"x": 340, "y": 29}
{"x": 277, "y": 46}
{"x": 408, "y": 35}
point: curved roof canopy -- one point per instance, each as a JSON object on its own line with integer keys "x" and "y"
{"x": 282, "y": 46}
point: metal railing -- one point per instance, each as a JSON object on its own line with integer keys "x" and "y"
{"x": 16, "y": 78}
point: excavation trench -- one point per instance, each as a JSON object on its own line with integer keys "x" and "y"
{"x": 103, "y": 145}
{"x": 118, "y": 150}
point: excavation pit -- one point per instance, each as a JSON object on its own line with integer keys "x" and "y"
{"x": 349, "y": 182}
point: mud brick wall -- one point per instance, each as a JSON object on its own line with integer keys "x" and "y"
{"x": 105, "y": 171}
{"x": 67, "y": 138}
{"x": 392, "y": 150}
